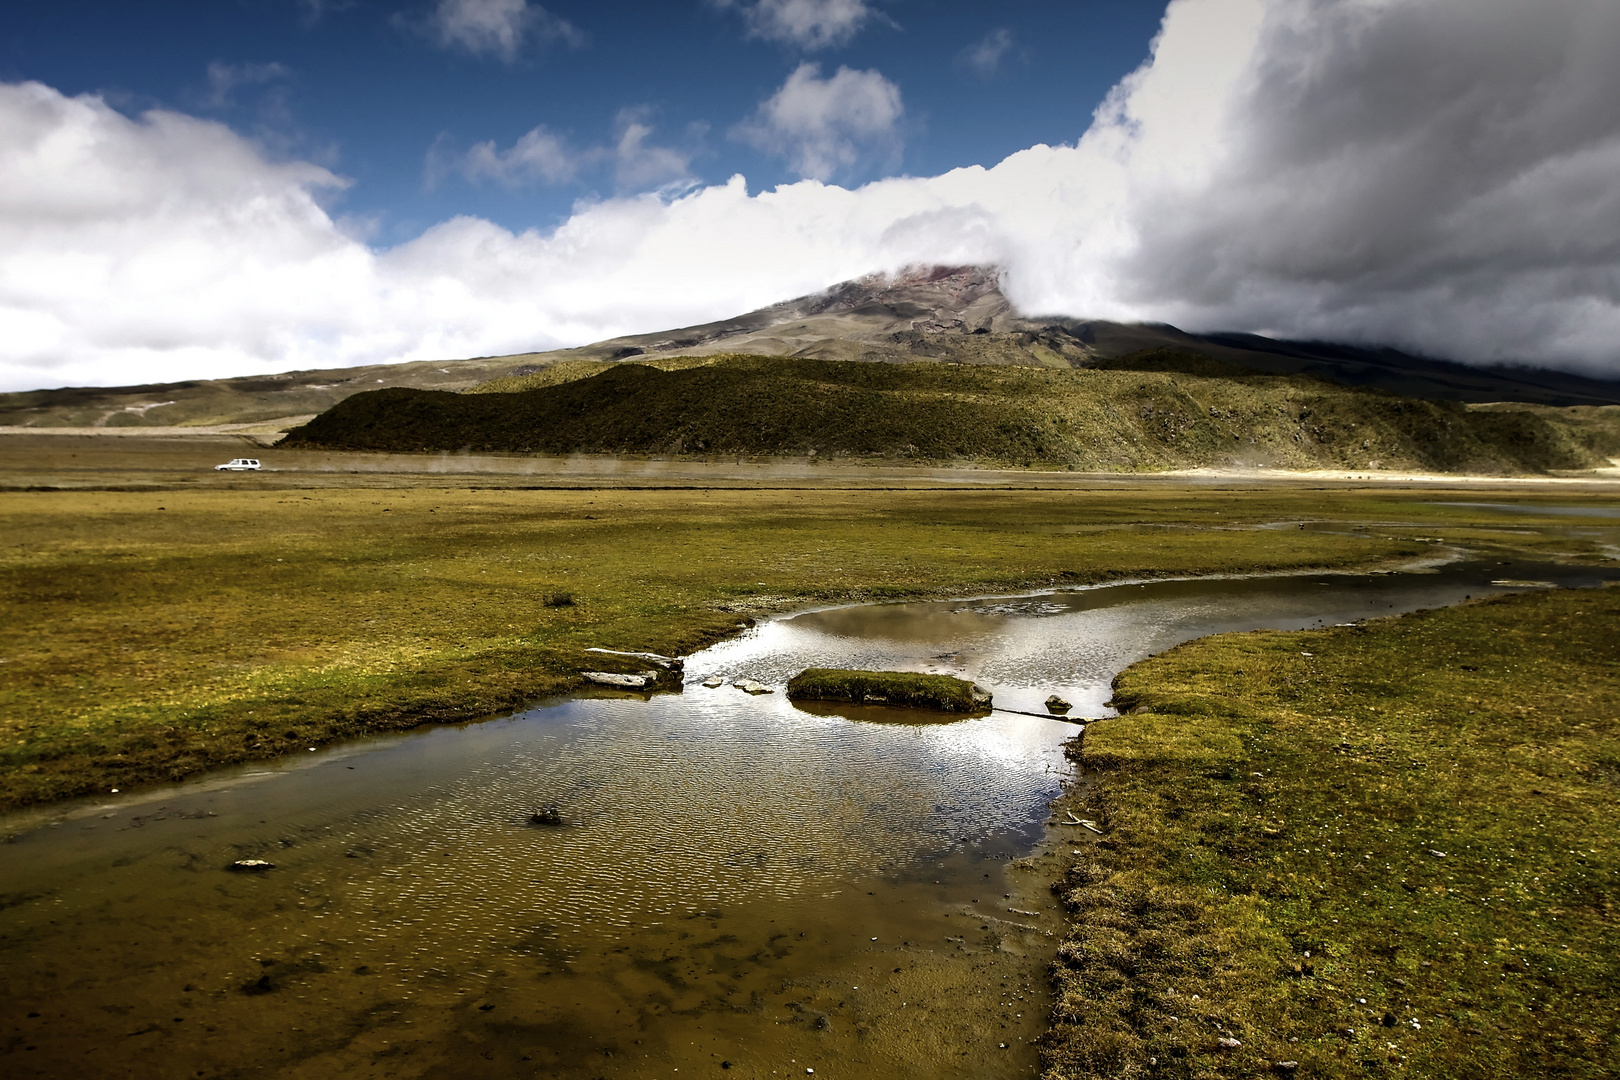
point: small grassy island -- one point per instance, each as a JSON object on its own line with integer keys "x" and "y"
{"x": 909, "y": 689}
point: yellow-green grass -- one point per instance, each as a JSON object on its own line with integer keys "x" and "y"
{"x": 912, "y": 689}
{"x": 146, "y": 635}
{"x": 1380, "y": 851}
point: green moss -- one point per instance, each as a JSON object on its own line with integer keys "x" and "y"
{"x": 1376, "y": 851}
{"x": 906, "y": 688}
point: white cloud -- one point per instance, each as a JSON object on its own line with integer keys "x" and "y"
{"x": 223, "y": 79}
{"x": 639, "y": 164}
{"x": 1435, "y": 174}
{"x": 807, "y": 24}
{"x": 984, "y": 56}
{"x": 825, "y": 126}
{"x": 498, "y": 27}
{"x": 541, "y": 156}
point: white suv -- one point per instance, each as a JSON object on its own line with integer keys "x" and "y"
{"x": 241, "y": 464}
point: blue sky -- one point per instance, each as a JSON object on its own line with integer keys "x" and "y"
{"x": 376, "y": 92}
{"x": 236, "y": 186}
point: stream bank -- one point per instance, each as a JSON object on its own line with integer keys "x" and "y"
{"x": 1377, "y": 850}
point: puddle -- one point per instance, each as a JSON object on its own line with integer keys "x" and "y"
{"x": 741, "y": 887}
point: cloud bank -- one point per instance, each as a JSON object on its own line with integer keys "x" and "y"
{"x": 1440, "y": 175}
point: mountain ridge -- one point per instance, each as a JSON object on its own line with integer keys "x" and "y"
{"x": 949, "y": 314}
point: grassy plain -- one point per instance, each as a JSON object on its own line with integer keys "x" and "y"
{"x": 1376, "y": 851}
{"x": 148, "y": 634}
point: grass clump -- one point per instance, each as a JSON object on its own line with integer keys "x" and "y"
{"x": 1375, "y": 851}
{"x": 910, "y": 689}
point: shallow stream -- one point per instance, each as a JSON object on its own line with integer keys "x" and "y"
{"x": 741, "y": 888}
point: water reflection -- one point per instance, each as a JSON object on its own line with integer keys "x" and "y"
{"x": 1073, "y": 643}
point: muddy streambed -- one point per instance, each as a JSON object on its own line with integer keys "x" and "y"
{"x": 742, "y": 888}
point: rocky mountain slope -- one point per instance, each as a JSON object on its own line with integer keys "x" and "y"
{"x": 959, "y": 315}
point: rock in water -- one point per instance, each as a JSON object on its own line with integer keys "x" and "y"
{"x": 1056, "y": 704}
{"x": 547, "y": 816}
{"x": 623, "y": 682}
{"x": 251, "y": 866}
{"x": 981, "y": 696}
{"x": 752, "y": 687}
{"x": 713, "y": 681}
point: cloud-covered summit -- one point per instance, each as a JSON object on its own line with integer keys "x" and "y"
{"x": 1439, "y": 175}
{"x": 1442, "y": 174}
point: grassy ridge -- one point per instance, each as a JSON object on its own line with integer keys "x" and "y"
{"x": 1155, "y": 410}
{"x": 909, "y": 688}
{"x": 1375, "y": 852}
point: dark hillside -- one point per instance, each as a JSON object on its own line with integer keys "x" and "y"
{"x": 1155, "y": 410}
{"x": 1413, "y": 376}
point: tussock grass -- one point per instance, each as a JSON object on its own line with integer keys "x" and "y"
{"x": 1158, "y": 410}
{"x": 1381, "y": 851}
{"x": 945, "y": 693}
